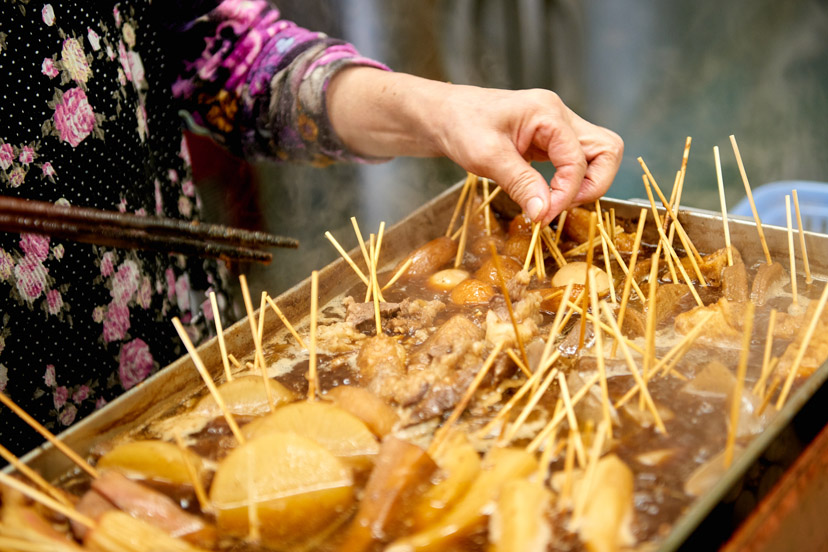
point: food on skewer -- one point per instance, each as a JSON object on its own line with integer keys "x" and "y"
{"x": 400, "y": 445}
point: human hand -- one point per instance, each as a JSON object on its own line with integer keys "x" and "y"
{"x": 488, "y": 132}
{"x": 497, "y": 133}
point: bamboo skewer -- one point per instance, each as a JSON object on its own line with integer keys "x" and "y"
{"x": 634, "y": 370}
{"x": 585, "y": 299}
{"x": 741, "y": 371}
{"x": 397, "y": 275}
{"x": 720, "y": 182}
{"x": 536, "y": 227}
{"x": 49, "y": 436}
{"x": 666, "y": 245}
{"x": 464, "y": 230}
{"x": 208, "y": 381}
{"x": 569, "y": 466}
{"x": 791, "y": 253}
{"x": 361, "y": 242}
{"x": 605, "y": 239}
{"x": 220, "y": 335}
{"x": 595, "y": 319}
{"x": 549, "y": 240}
{"x": 560, "y": 416}
{"x": 312, "y": 377}
{"x": 599, "y": 355}
{"x": 669, "y": 226}
{"x": 47, "y": 501}
{"x": 620, "y": 260}
{"x": 487, "y": 209}
{"x": 347, "y": 258}
{"x": 463, "y": 192}
{"x": 286, "y": 322}
{"x": 519, "y": 363}
{"x": 234, "y": 360}
{"x": 15, "y": 462}
{"x": 559, "y": 229}
{"x": 763, "y": 375}
{"x": 649, "y": 329}
{"x": 479, "y": 208}
{"x": 630, "y": 279}
{"x": 800, "y": 354}
{"x": 589, "y": 475}
{"x": 262, "y": 366}
{"x": 569, "y": 410}
{"x": 198, "y": 486}
{"x": 504, "y": 289}
{"x": 442, "y": 433}
{"x": 527, "y": 408}
{"x": 750, "y": 199}
{"x": 808, "y": 278}
{"x": 375, "y": 283}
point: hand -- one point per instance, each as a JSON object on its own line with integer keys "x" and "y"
{"x": 491, "y": 133}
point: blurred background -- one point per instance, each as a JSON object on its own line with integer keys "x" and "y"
{"x": 653, "y": 71}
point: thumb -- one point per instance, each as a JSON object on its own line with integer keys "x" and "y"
{"x": 524, "y": 184}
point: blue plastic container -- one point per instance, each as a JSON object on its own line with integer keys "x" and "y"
{"x": 770, "y": 204}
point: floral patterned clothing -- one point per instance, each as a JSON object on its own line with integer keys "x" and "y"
{"x": 90, "y": 114}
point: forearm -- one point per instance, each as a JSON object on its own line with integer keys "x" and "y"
{"x": 383, "y": 114}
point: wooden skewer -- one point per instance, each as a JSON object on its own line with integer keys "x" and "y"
{"x": 380, "y": 235}
{"x": 669, "y": 226}
{"x": 443, "y": 432}
{"x": 558, "y": 322}
{"x": 58, "y": 495}
{"x": 629, "y": 279}
{"x": 487, "y": 209}
{"x": 198, "y": 486}
{"x": 208, "y": 381}
{"x": 502, "y": 282}
{"x": 464, "y": 229}
{"x": 589, "y": 475}
{"x": 620, "y": 260}
{"x": 569, "y": 467}
{"x": 791, "y": 254}
{"x": 605, "y": 239}
{"x": 286, "y": 322}
{"x": 375, "y": 286}
{"x": 649, "y": 330}
{"x": 347, "y": 258}
{"x": 595, "y": 319}
{"x": 569, "y": 410}
{"x": 559, "y": 229}
{"x": 397, "y": 275}
{"x": 550, "y": 450}
{"x": 463, "y": 192}
{"x": 634, "y": 370}
{"x": 764, "y": 392}
{"x": 527, "y": 408}
{"x": 234, "y": 360}
{"x": 220, "y": 335}
{"x": 725, "y": 223}
{"x": 536, "y": 227}
{"x": 750, "y": 199}
{"x": 800, "y": 354}
{"x": 770, "y": 391}
{"x": 47, "y": 501}
{"x": 693, "y": 253}
{"x": 560, "y": 416}
{"x": 262, "y": 366}
{"x": 808, "y": 279}
{"x": 361, "y": 242}
{"x": 49, "y": 436}
{"x": 666, "y": 245}
{"x": 549, "y": 240}
{"x": 259, "y": 357}
{"x": 479, "y": 209}
{"x": 599, "y": 356}
{"x": 741, "y": 371}
{"x": 369, "y": 292}
{"x": 312, "y": 377}
{"x": 763, "y": 376}
{"x": 593, "y": 217}
{"x": 519, "y": 363}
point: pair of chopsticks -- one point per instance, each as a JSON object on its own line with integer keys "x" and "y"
{"x": 125, "y": 230}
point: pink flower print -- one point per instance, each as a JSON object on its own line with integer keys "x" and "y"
{"x": 58, "y": 251}
{"x": 188, "y": 188}
{"x": 172, "y": 176}
{"x": 48, "y": 68}
{"x": 94, "y": 39}
{"x": 81, "y": 394}
{"x": 35, "y": 246}
{"x": 121, "y": 77}
{"x": 123, "y": 57}
{"x": 74, "y": 118}
{"x": 117, "y": 14}
{"x": 129, "y": 35}
{"x": 135, "y": 363}
{"x": 110, "y": 53}
{"x": 107, "y": 264}
{"x": 17, "y": 176}
{"x": 207, "y": 309}
{"x": 115, "y": 322}
{"x": 159, "y": 200}
{"x": 2, "y": 343}
{"x": 26, "y": 155}
{"x": 6, "y": 156}
{"x": 122, "y": 205}
{"x": 31, "y": 278}
{"x": 98, "y": 314}
{"x": 141, "y": 212}
{"x": 60, "y": 395}
{"x": 169, "y": 275}
{"x": 4, "y": 377}
{"x": 144, "y": 296}
{"x": 182, "y": 292}
{"x": 136, "y": 68}
{"x": 74, "y": 61}
{"x": 48, "y": 15}
{"x": 68, "y": 415}
{"x": 185, "y": 206}
{"x": 100, "y": 403}
{"x": 48, "y": 170}
{"x": 141, "y": 116}
{"x": 49, "y": 376}
{"x": 54, "y": 301}
{"x": 184, "y": 152}
{"x": 125, "y": 282}
{"x": 6, "y": 265}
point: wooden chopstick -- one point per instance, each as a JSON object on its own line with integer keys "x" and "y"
{"x": 133, "y": 231}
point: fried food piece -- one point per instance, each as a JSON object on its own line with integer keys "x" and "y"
{"x": 472, "y": 292}
{"x": 373, "y": 411}
{"x": 576, "y": 225}
{"x": 429, "y": 258}
{"x": 488, "y": 270}
{"x": 769, "y": 278}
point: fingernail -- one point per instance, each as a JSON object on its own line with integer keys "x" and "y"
{"x": 533, "y": 208}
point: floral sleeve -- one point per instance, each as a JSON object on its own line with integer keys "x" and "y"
{"x": 258, "y": 82}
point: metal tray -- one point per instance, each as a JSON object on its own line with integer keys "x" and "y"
{"x": 705, "y": 525}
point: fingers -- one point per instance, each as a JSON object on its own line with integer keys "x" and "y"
{"x": 525, "y": 185}
{"x": 565, "y": 152}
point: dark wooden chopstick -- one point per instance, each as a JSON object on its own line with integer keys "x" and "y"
{"x": 133, "y": 231}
